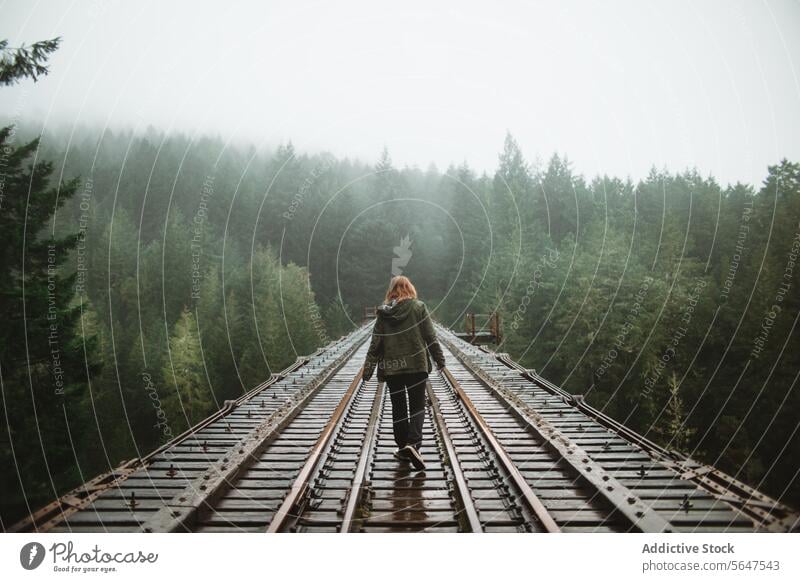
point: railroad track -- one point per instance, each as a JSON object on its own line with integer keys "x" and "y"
{"x": 310, "y": 450}
{"x": 360, "y": 486}
{"x": 628, "y": 482}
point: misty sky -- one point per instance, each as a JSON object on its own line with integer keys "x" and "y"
{"x": 618, "y": 87}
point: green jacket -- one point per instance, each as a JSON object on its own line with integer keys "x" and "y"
{"x": 402, "y": 340}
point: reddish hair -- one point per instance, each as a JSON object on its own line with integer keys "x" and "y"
{"x": 400, "y": 288}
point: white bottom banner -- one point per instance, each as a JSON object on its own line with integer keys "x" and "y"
{"x": 396, "y": 557}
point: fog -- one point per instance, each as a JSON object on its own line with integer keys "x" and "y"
{"x": 617, "y": 88}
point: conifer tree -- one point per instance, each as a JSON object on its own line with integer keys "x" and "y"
{"x": 44, "y": 357}
{"x": 187, "y": 395}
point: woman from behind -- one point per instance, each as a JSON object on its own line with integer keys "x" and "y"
{"x": 403, "y": 344}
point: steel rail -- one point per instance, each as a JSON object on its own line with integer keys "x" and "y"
{"x": 360, "y": 478}
{"x": 530, "y": 498}
{"x": 462, "y": 489}
{"x": 300, "y": 485}
{"x": 182, "y": 510}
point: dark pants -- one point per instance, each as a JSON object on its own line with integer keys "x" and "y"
{"x": 407, "y": 392}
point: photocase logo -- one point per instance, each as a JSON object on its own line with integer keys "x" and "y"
{"x": 402, "y": 256}
{"x": 31, "y": 555}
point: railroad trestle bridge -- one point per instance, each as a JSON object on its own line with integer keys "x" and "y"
{"x": 311, "y": 448}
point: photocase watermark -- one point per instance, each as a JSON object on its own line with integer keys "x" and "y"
{"x": 783, "y": 289}
{"x": 31, "y": 555}
{"x": 679, "y": 333}
{"x": 630, "y": 319}
{"x": 317, "y": 322}
{"x": 81, "y": 269}
{"x": 65, "y": 558}
{"x": 196, "y": 245}
{"x": 162, "y": 423}
{"x": 548, "y": 259}
{"x": 741, "y": 238}
{"x": 402, "y": 255}
{"x": 299, "y": 198}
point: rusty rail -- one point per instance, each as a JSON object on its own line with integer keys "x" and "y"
{"x": 360, "y": 478}
{"x": 462, "y": 489}
{"x": 300, "y": 485}
{"x": 529, "y": 497}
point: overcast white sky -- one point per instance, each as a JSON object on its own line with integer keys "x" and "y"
{"x": 617, "y": 86}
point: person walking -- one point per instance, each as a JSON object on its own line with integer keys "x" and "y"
{"x": 403, "y": 344}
